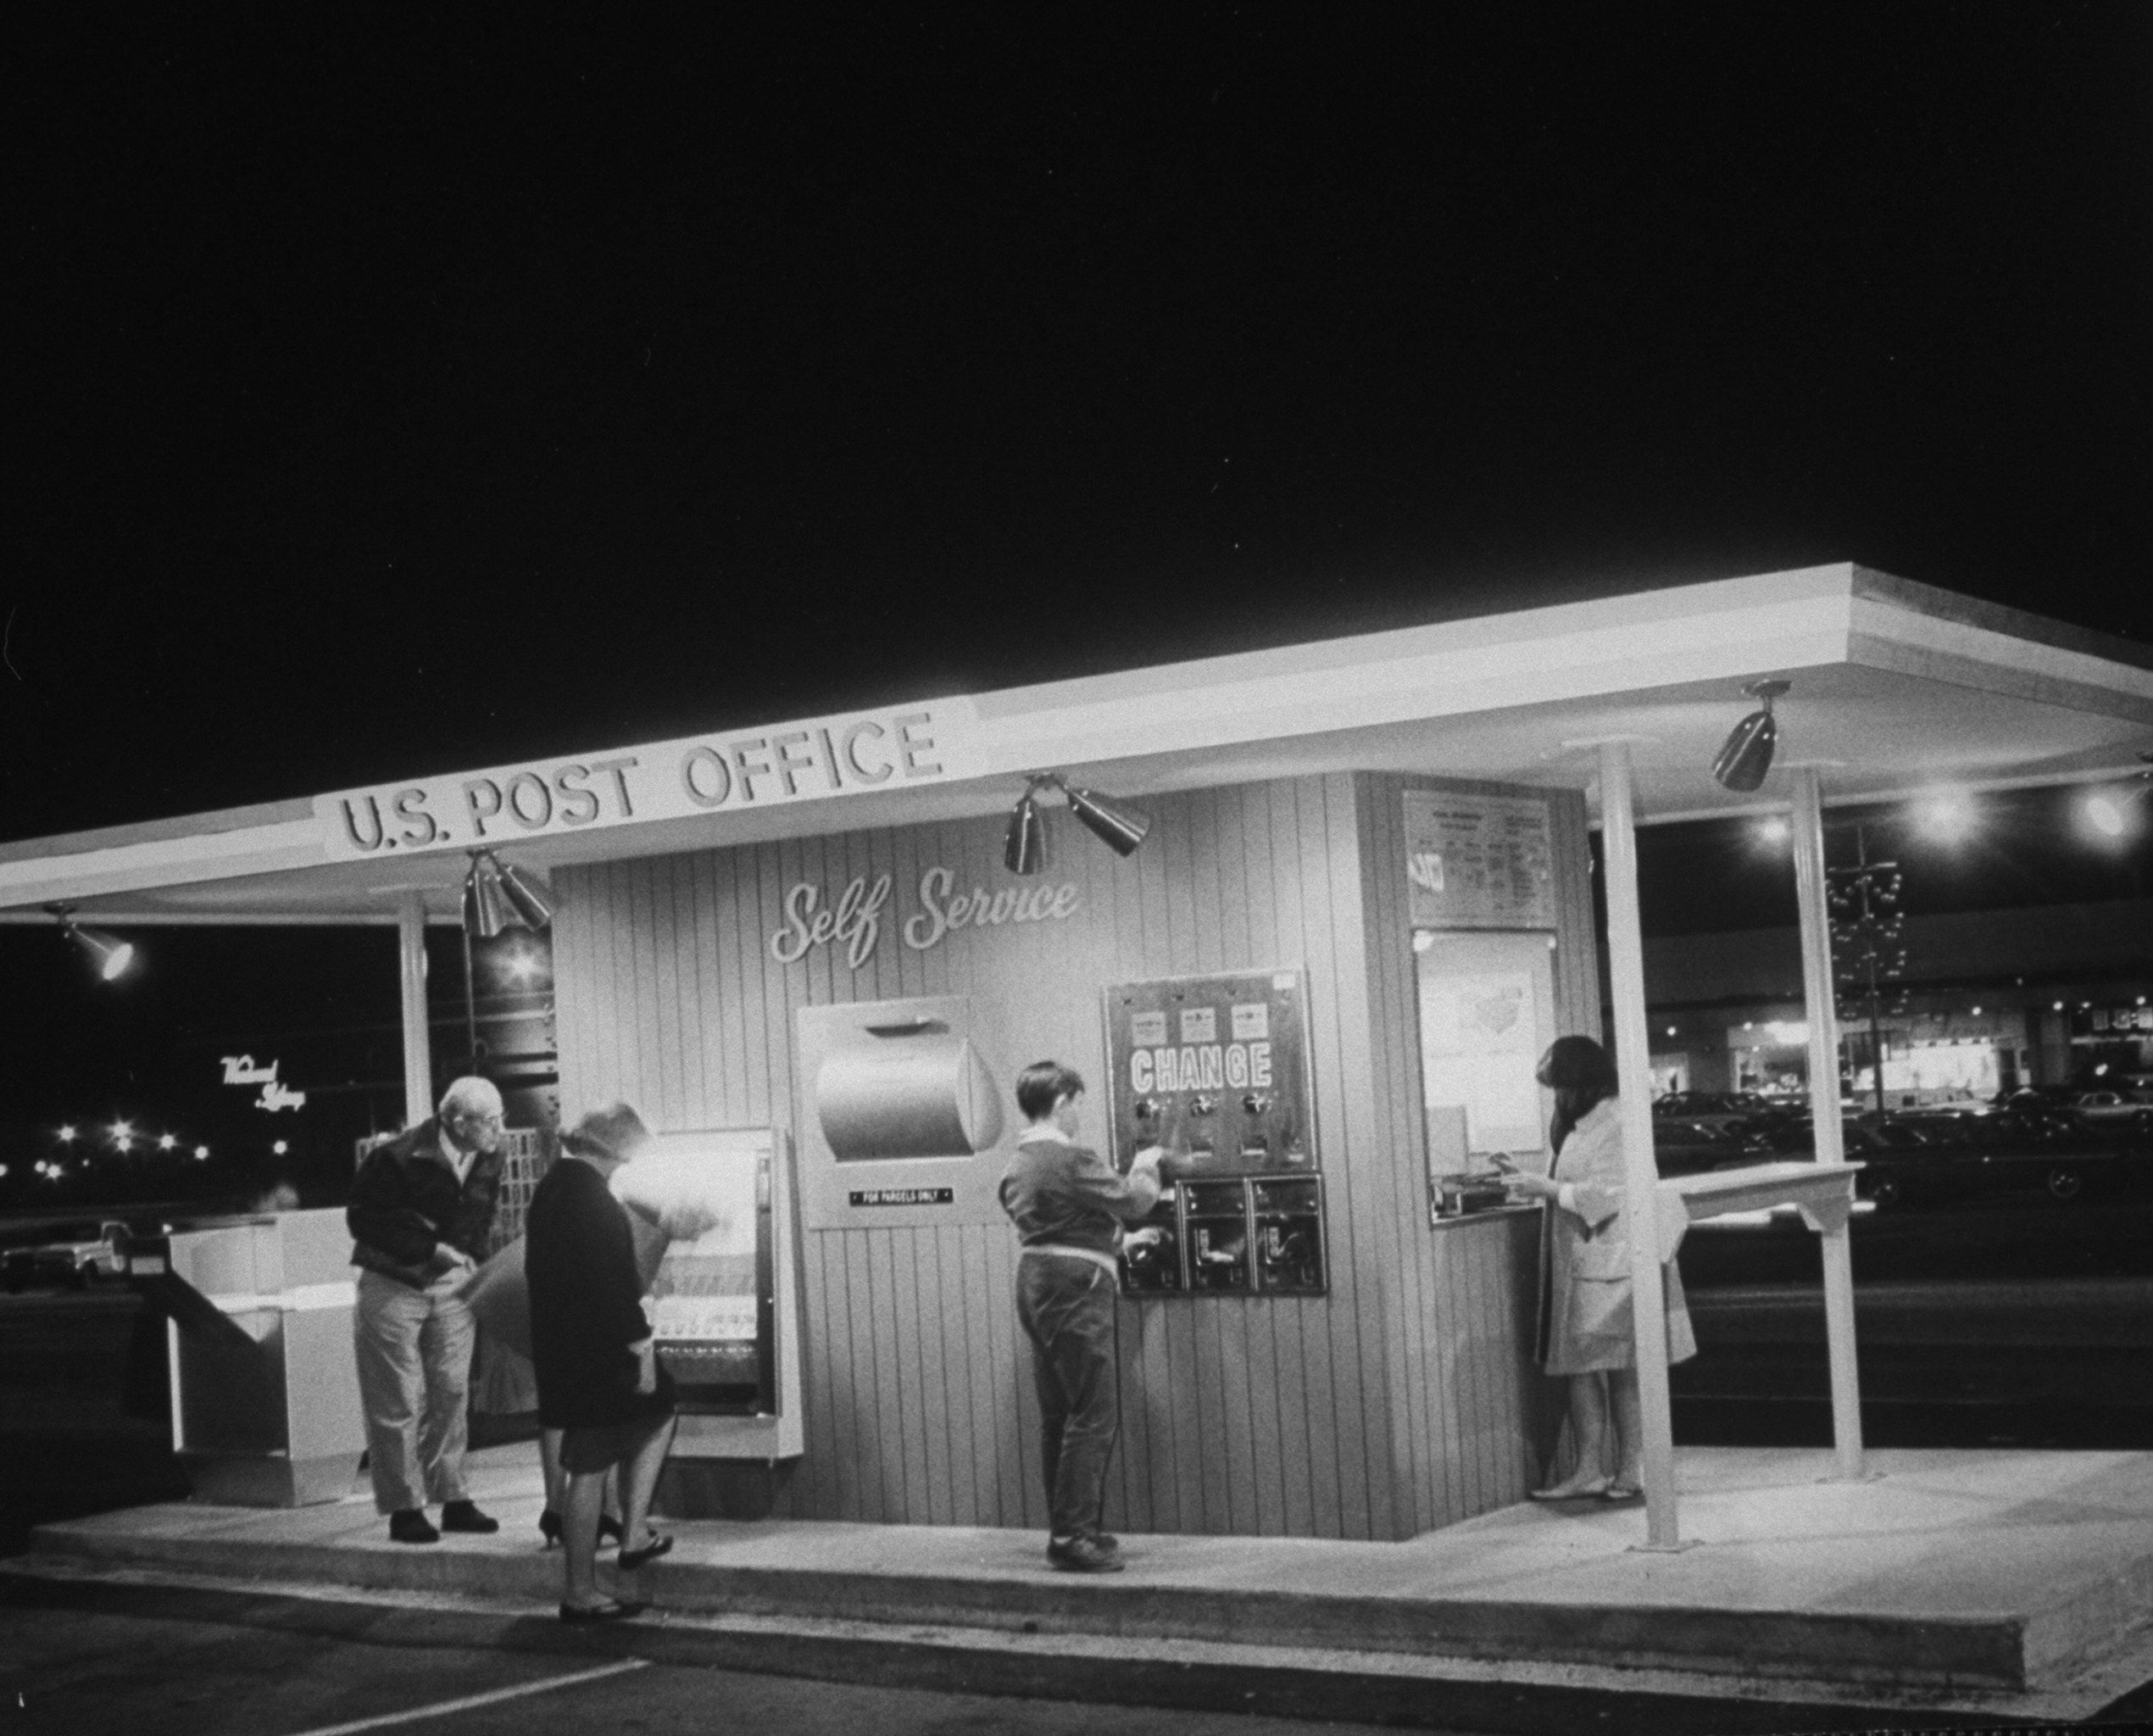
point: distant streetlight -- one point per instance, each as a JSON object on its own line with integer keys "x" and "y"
{"x": 280, "y": 1147}
{"x": 167, "y": 1142}
{"x": 2115, "y": 812}
{"x": 122, "y": 1132}
{"x": 202, "y": 1152}
{"x": 67, "y": 1133}
{"x": 1947, "y": 817}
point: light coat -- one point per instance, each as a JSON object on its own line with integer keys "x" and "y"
{"x": 1585, "y": 1300}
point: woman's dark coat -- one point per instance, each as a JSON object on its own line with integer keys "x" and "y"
{"x": 585, "y": 1303}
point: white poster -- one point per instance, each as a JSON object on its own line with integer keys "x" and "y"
{"x": 1480, "y": 1041}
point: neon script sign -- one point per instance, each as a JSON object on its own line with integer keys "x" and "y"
{"x": 846, "y": 755}
{"x": 855, "y": 920}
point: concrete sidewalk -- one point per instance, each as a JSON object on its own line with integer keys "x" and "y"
{"x": 2002, "y": 1583}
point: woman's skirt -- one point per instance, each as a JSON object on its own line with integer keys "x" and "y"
{"x": 600, "y": 1446}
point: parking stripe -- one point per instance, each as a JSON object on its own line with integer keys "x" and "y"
{"x": 442, "y": 1708}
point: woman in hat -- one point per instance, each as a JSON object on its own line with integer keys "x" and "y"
{"x": 1585, "y": 1328}
{"x": 598, "y": 1378}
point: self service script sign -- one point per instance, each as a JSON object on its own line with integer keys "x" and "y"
{"x": 823, "y": 757}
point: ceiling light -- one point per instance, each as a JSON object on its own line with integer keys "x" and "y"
{"x": 1746, "y": 756}
{"x": 110, "y": 955}
{"x": 1120, "y": 829}
{"x": 498, "y": 896}
{"x": 1024, "y": 845}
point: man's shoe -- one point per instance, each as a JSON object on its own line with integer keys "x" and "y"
{"x": 1082, "y": 1555}
{"x": 611, "y": 1610}
{"x": 412, "y": 1525}
{"x": 1106, "y": 1540}
{"x": 464, "y": 1516}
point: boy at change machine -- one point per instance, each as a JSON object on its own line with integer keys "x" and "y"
{"x": 1069, "y": 1205}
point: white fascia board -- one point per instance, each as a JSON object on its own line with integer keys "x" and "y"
{"x": 1733, "y": 629}
{"x": 1909, "y": 641}
{"x": 1584, "y": 651}
{"x": 159, "y": 862}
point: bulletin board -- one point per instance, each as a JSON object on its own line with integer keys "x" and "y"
{"x": 1479, "y": 861}
{"x": 1486, "y": 1014}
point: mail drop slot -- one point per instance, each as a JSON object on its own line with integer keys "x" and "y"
{"x": 913, "y": 1090}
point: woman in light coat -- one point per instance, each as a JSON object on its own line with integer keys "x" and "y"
{"x": 1585, "y": 1328}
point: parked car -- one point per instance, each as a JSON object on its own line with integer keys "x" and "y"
{"x": 2036, "y": 1097}
{"x": 1685, "y": 1146}
{"x": 81, "y": 1258}
{"x": 1978, "y": 1151}
{"x": 2120, "y": 1109}
{"x": 1690, "y": 1106}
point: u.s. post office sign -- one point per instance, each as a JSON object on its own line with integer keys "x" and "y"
{"x": 852, "y": 753}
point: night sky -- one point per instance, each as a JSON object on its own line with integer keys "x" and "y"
{"x": 401, "y": 396}
{"x": 397, "y": 397}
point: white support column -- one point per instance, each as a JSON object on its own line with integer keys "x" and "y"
{"x": 411, "y": 959}
{"x": 1820, "y": 1008}
{"x": 1634, "y": 1066}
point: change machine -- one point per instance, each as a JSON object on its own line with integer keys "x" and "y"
{"x": 1215, "y": 1069}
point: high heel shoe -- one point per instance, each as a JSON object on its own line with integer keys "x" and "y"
{"x": 1592, "y": 1489}
{"x": 551, "y": 1529}
{"x": 633, "y": 1559}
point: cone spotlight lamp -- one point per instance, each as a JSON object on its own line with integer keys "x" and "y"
{"x": 1024, "y": 845}
{"x": 496, "y": 896}
{"x": 1120, "y": 829}
{"x": 1746, "y": 754}
{"x": 487, "y": 908}
{"x": 109, "y": 955}
{"x": 532, "y": 907}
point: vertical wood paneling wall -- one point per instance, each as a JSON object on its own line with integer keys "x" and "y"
{"x": 1396, "y": 1403}
{"x": 1469, "y": 1427}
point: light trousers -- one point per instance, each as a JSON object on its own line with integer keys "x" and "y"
{"x": 414, "y": 1379}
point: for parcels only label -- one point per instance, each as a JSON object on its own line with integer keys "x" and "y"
{"x": 901, "y": 1196}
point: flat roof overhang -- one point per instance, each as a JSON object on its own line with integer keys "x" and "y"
{"x": 1897, "y": 687}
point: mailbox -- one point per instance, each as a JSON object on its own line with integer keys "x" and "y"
{"x": 265, "y": 1408}
{"x": 900, "y": 1115}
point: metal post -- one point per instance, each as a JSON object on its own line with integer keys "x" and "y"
{"x": 1634, "y": 1066}
{"x": 1819, "y": 1004}
{"x": 470, "y": 1009}
{"x": 411, "y": 958}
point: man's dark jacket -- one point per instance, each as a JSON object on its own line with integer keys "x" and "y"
{"x": 405, "y": 1202}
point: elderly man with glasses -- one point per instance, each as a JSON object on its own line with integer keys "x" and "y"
{"x": 420, "y": 1208}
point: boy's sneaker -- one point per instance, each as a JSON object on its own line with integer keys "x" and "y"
{"x": 1082, "y": 1555}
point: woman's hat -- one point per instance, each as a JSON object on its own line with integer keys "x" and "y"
{"x": 616, "y": 1132}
